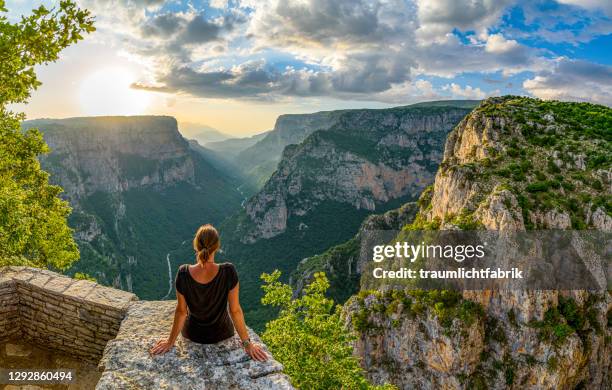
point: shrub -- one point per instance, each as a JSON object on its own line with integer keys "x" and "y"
{"x": 309, "y": 337}
{"x": 538, "y": 186}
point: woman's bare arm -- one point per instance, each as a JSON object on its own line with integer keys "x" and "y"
{"x": 180, "y": 314}
{"x": 254, "y": 350}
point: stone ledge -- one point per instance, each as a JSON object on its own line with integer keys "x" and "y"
{"x": 82, "y": 290}
{"x": 127, "y": 363}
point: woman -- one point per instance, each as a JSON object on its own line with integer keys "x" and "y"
{"x": 203, "y": 291}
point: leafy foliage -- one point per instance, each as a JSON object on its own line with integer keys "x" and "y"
{"x": 33, "y": 229}
{"x": 309, "y": 338}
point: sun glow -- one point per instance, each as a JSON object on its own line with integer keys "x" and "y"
{"x": 107, "y": 92}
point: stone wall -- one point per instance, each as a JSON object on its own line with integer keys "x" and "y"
{"x": 74, "y": 316}
{"x": 9, "y": 309}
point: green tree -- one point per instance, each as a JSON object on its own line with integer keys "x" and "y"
{"x": 33, "y": 227}
{"x": 309, "y": 337}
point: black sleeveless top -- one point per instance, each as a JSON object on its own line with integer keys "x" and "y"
{"x": 208, "y": 321}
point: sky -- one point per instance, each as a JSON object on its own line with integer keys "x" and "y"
{"x": 236, "y": 65}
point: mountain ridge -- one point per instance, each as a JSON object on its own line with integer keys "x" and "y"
{"x": 513, "y": 164}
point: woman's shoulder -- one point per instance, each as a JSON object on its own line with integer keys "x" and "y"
{"x": 228, "y": 265}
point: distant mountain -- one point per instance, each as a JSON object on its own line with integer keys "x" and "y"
{"x": 261, "y": 159}
{"x": 361, "y": 162}
{"x": 138, "y": 192}
{"x": 202, "y": 133}
{"x": 233, "y": 146}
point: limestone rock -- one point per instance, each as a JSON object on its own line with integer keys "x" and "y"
{"x": 364, "y": 158}
{"x": 497, "y": 176}
{"x": 128, "y": 365}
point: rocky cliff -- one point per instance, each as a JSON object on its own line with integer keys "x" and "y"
{"x": 114, "y": 154}
{"x": 512, "y": 164}
{"x": 365, "y": 159}
{"x": 260, "y": 159}
{"x": 138, "y": 190}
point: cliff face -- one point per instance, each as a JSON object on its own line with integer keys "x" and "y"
{"x": 367, "y": 158}
{"x": 260, "y": 159}
{"x": 114, "y": 154}
{"x": 138, "y": 191}
{"x": 512, "y": 164}
{"x": 367, "y": 161}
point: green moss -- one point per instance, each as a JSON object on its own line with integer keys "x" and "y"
{"x": 552, "y": 364}
{"x": 512, "y": 318}
{"x": 493, "y": 331}
{"x": 466, "y": 221}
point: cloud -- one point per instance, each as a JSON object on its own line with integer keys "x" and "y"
{"x": 328, "y": 24}
{"x": 604, "y": 5}
{"x": 451, "y": 57}
{"x": 497, "y": 44}
{"x": 439, "y": 17}
{"x": 575, "y": 80}
{"x": 468, "y": 92}
{"x": 218, "y": 3}
{"x": 346, "y": 49}
{"x": 361, "y": 74}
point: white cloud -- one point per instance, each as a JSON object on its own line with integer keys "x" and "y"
{"x": 468, "y": 92}
{"x": 573, "y": 80}
{"x": 409, "y": 92}
{"x": 604, "y": 5}
{"x": 218, "y": 3}
{"x": 452, "y": 57}
{"x": 496, "y": 43}
{"x": 439, "y": 17}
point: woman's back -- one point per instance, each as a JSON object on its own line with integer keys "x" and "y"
{"x": 208, "y": 320}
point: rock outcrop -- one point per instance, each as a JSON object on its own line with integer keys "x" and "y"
{"x": 127, "y": 363}
{"x": 513, "y": 164}
{"x": 114, "y": 154}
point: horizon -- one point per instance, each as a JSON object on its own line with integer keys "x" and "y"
{"x": 188, "y": 129}
{"x": 235, "y": 66}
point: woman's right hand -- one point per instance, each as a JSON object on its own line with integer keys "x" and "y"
{"x": 161, "y": 347}
{"x": 256, "y": 352}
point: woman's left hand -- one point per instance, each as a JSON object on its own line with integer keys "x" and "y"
{"x": 162, "y": 346}
{"x": 256, "y": 352}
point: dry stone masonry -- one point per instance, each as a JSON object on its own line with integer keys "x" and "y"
{"x": 74, "y": 316}
{"x": 101, "y": 324}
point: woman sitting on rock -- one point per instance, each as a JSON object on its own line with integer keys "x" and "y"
{"x": 203, "y": 291}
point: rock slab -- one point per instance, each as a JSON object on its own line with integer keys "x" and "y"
{"x": 127, "y": 364}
